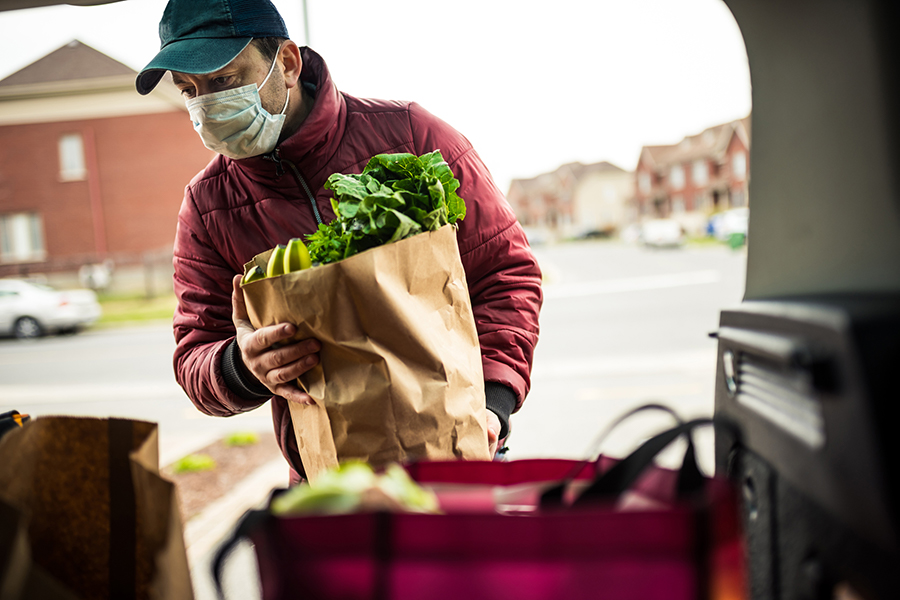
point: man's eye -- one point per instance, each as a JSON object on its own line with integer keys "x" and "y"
{"x": 221, "y": 81}
{"x": 187, "y": 92}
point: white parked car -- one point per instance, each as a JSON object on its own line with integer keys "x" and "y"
{"x": 29, "y": 310}
{"x": 661, "y": 233}
{"x": 724, "y": 224}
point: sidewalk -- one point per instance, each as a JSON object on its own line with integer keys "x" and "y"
{"x": 204, "y": 533}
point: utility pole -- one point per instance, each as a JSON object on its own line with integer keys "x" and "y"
{"x": 305, "y": 23}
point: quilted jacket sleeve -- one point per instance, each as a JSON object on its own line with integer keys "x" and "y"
{"x": 203, "y": 325}
{"x": 502, "y": 273}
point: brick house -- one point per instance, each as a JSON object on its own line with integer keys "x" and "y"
{"x": 702, "y": 174}
{"x": 90, "y": 171}
{"x": 574, "y": 200}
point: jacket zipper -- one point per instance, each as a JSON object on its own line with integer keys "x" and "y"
{"x": 275, "y": 157}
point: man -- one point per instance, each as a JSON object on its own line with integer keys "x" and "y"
{"x": 281, "y": 128}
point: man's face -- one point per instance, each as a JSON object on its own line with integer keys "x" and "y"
{"x": 248, "y": 67}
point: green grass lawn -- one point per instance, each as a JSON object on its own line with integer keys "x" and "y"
{"x": 705, "y": 240}
{"x": 129, "y": 308}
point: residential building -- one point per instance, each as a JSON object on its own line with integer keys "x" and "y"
{"x": 574, "y": 200}
{"x": 90, "y": 171}
{"x": 702, "y": 174}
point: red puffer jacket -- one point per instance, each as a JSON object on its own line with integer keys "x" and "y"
{"x": 234, "y": 210}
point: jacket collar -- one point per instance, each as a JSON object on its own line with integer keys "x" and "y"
{"x": 310, "y": 147}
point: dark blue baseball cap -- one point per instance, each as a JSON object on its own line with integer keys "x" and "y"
{"x": 202, "y": 36}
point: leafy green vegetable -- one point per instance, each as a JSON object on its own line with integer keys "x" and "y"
{"x": 395, "y": 197}
{"x": 353, "y": 487}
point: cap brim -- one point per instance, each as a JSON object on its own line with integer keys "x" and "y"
{"x": 196, "y": 56}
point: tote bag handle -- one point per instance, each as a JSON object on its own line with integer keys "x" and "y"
{"x": 553, "y": 496}
{"x": 623, "y": 474}
{"x": 252, "y": 520}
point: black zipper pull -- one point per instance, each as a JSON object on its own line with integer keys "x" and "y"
{"x": 275, "y": 157}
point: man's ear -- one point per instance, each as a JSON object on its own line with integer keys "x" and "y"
{"x": 291, "y": 63}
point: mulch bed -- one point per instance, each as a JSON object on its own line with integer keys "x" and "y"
{"x": 233, "y": 463}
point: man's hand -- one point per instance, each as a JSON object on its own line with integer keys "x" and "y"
{"x": 276, "y": 368}
{"x": 493, "y": 429}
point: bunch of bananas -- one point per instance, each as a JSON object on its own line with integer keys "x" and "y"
{"x": 284, "y": 259}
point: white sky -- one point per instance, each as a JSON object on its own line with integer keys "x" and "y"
{"x": 532, "y": 84}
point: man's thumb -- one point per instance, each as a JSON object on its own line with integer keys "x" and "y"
{"x": 239, "y": 309}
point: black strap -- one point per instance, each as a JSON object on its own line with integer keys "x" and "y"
{"x": 690, "y": 478}
{"x": 621, "y": 476}
{"x": 553, "y": 496}
{"x": 122, "y": 512}
{"x": 383, "y": 551}
{"x": 251, "y": 520}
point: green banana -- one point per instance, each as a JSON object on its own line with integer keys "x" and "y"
{"x": 276, "y": 262}
{"x": 296, "y": 256}
{"x": 254, "y": 274}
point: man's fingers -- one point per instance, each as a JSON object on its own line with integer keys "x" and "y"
{"x": 492, "y": 421}
{"x": 292, "y": 371}
{"x": 493, "y": 440}
{"x": 287, "y": 354}
{"x": 265, "y": 337}
{"x": 493, "y": 431}
{"x": 292, "y": 393}
{"x": 493, "y": 435}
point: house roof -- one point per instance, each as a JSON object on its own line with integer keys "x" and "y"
{"x": 580, "y": 170}
{"x": 556, "y": 182}
{"x": 533, "y": 185}
{"x": 711, "y": 142}
{"x": 576, "y": 169}
{"x": 73, "y": 61}
{"x": 78, "y": 82}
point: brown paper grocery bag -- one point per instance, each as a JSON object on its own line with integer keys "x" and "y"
{"x": 101, "y": 522}
{"x": 400, "y": 374}
{"x": 20, "y": 577}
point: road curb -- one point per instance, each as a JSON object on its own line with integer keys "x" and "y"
{"x": 206, "y": 530}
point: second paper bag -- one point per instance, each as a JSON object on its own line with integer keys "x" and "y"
{"x": 400, "y": 375}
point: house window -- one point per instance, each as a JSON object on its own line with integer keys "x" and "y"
{"x": 676, "y": 177}
{"x": 644, "y": 183}
{"x": 21, "y": 237}
{"x": 700, "y": 173}
{"x": 71, "y": 158}
{"x": 739, "y": 165}
{"x": 677, "y": 205}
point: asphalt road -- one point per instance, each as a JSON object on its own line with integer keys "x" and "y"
{"x": 620, "y": 325}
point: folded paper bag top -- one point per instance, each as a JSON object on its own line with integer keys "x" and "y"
{"x": 400, "y": 375}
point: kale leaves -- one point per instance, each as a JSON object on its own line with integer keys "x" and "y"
{"x": 395, "y": 197}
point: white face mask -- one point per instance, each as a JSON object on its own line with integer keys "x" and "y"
{"x": 234, "y": 122}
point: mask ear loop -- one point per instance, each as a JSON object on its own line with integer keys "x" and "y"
{"x": 269, "y": 74}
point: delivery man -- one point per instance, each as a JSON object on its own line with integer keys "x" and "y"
{"x": 281, "y": 127}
